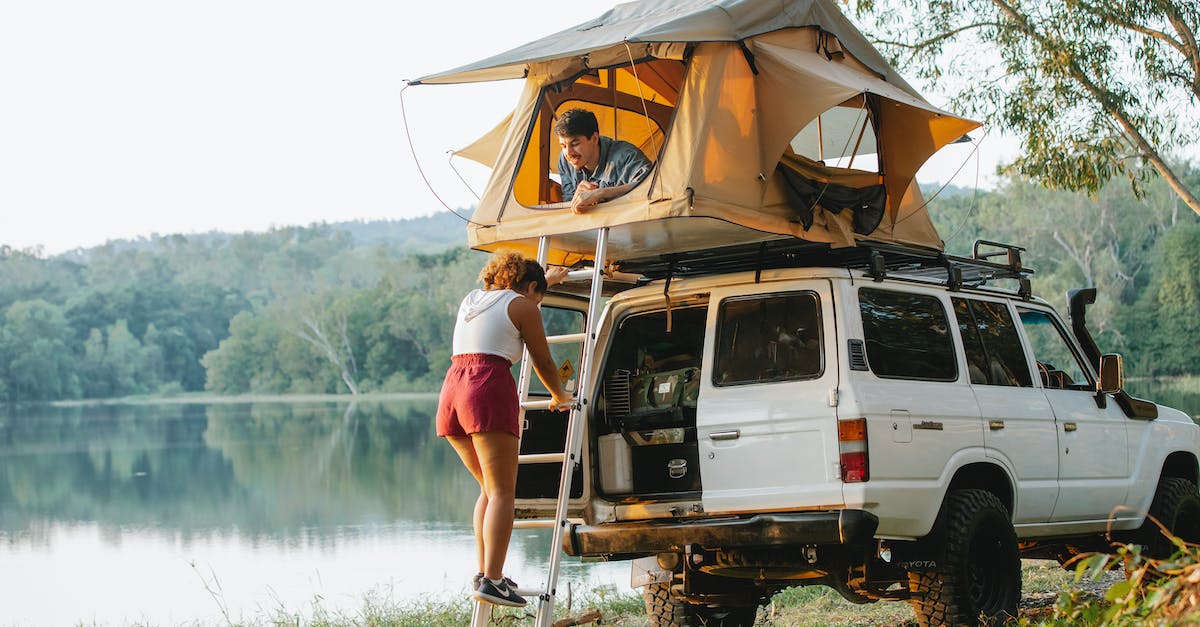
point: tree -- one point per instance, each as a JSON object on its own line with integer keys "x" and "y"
{"x": 35, "y": 354}
{"x": 1094, "y": 88}
{"x": 322, "y": 320}
{"x": 1170, "y": 305}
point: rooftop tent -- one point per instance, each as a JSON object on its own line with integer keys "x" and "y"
{"x": 765, "y": 119}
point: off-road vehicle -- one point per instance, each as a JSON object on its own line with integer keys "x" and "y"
{"x": 884, "y": 422}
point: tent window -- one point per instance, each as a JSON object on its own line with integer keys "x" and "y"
{"x": 832, "y": 165}
{"x": 632, "y": 104}
{"x": 841, "y": 137}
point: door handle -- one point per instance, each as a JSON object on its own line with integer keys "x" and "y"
{"x": 1069, "y": 426}
{"x": 732, "y": 434}
{"x": 995, "y": 425}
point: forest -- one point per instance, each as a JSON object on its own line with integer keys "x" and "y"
{"x": 369, "y": 306}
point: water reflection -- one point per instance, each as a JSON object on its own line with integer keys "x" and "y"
{"x": 127, "y": 506}
{"x": 1177, "y": 394}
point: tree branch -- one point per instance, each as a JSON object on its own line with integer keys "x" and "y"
{"x": 1190, "y": 51}
{"x": 937, "y": 39}
{"x": 1104, "y": 100}
{"x": 1107, "y": 16}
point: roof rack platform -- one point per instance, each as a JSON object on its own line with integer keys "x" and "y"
{"x": 877, "y": 260}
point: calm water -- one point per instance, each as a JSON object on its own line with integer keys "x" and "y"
{"x": 171, "y": 513}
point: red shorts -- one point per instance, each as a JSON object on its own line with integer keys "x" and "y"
{"x": 478, "y": 395}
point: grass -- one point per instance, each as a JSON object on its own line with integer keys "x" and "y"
{"x": 813, "y": 605}
{"x": 1157, "y": 592}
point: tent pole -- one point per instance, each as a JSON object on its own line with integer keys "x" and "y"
{"x": 820, "y": 142}
{"x": 861, "y": 131}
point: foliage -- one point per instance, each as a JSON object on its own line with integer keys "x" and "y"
{"x": 1154, "y": 592}
{"x": 1136, "y": 252}
{"x": 138, "y": 317}
{"x": 392, "y": 336}
{"x": 1093, "y": 89}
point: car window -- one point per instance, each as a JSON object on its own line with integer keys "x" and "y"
{"x": 991, "y": 343}
{"x": 907, "y": 335}
{"x": 768, "y": 338}
{"x": 1058, "y": 365}
{"x": 559, "y": 321}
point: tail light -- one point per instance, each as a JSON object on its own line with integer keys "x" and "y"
{"x": 852, "y": 449}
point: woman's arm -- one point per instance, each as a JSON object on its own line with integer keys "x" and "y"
{"x": 528, "y": 320}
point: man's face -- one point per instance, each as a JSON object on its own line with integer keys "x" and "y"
{"x": 582, "y": 152}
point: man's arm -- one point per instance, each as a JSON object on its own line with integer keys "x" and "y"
{"x": 631, "y": 167}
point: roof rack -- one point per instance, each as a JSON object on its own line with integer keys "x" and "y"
{"x": 877, "y": 260}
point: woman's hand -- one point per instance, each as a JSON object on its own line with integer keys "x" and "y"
{"x": 560, "y": 401}
{"x": 556, "y": 275}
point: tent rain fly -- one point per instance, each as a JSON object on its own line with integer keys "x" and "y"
{"x": 764, "y": 120}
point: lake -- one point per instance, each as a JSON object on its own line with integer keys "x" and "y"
{"x": 178, "y": 512}
{"x": 172, "y": 513}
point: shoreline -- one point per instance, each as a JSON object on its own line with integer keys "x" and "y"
{"x": 201, "y": 398}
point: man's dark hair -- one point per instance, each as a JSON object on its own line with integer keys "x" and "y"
{"x": 576, "y": 122}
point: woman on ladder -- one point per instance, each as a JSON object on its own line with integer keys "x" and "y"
{"x": 479, "y": 407}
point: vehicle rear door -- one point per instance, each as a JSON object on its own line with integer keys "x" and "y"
{"x": 766, "y": 427}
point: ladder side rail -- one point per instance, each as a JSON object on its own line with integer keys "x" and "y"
{"x": 574, "y": 439}
{"x": 526, "y": 371}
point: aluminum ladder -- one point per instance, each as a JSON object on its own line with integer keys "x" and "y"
{"x": 571, "y": 456}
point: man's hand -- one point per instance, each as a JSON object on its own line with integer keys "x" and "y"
{"x": 587, "y": 195}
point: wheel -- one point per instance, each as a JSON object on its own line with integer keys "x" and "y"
{"x": 979, "y": 572}
{"x": 1176, "y": 505}
{"x": 667, "y": 612}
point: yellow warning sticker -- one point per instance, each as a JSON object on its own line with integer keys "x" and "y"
{"x": 566, "y": 371}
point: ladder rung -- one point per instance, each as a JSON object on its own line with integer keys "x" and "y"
{"x": 530, "y": 593}
{"x": 541, "y": 458}
{"x": 566, "y": 339}
{"x": 538, "y": 404}
{"x": 533, "y": 523}
{"x": 580, "y": 275}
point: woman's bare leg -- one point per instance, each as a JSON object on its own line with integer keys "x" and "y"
{"x": 466, "y": 451}
{"x": 497, "y": 456}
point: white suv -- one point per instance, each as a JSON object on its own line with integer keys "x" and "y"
{"x": 887, "y": 425}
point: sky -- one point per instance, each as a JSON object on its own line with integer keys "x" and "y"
{"x": 126, "y": 118}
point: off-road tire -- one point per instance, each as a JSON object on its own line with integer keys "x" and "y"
{"x": 667, "y": 612}
{"x": 979, "y": 569}
{"x": 1176, "y": 505}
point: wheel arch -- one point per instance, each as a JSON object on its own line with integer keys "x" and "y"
{"x": 1181, "y": 464}
{"x": 984, "y": 476}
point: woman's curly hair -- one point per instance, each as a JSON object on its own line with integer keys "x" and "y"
{"x": 509, "y": 269}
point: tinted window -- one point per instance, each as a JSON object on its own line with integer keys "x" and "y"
{"x": 992, "y": 345}
{"x": 559, "y": 321}
{"x": 1057, "y": 364}
{"x": 768, "y": 338}
{"x": 907, "y": 336}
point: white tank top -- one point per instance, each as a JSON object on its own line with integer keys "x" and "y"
{"x": 483, "y": 325}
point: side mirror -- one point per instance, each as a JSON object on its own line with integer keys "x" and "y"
{"x": 1112, "y": 374}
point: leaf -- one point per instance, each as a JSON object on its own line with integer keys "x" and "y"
{"x": 1118, "y": 590}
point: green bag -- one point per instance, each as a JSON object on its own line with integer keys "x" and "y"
{"x": 661, "y": 390}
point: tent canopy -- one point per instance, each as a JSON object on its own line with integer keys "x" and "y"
{"x": 764, "y": 119}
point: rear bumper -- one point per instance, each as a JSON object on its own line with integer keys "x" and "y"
{"x": 845, "y": 526}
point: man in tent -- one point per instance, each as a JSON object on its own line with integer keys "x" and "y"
{"x": 595, "y": 168}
